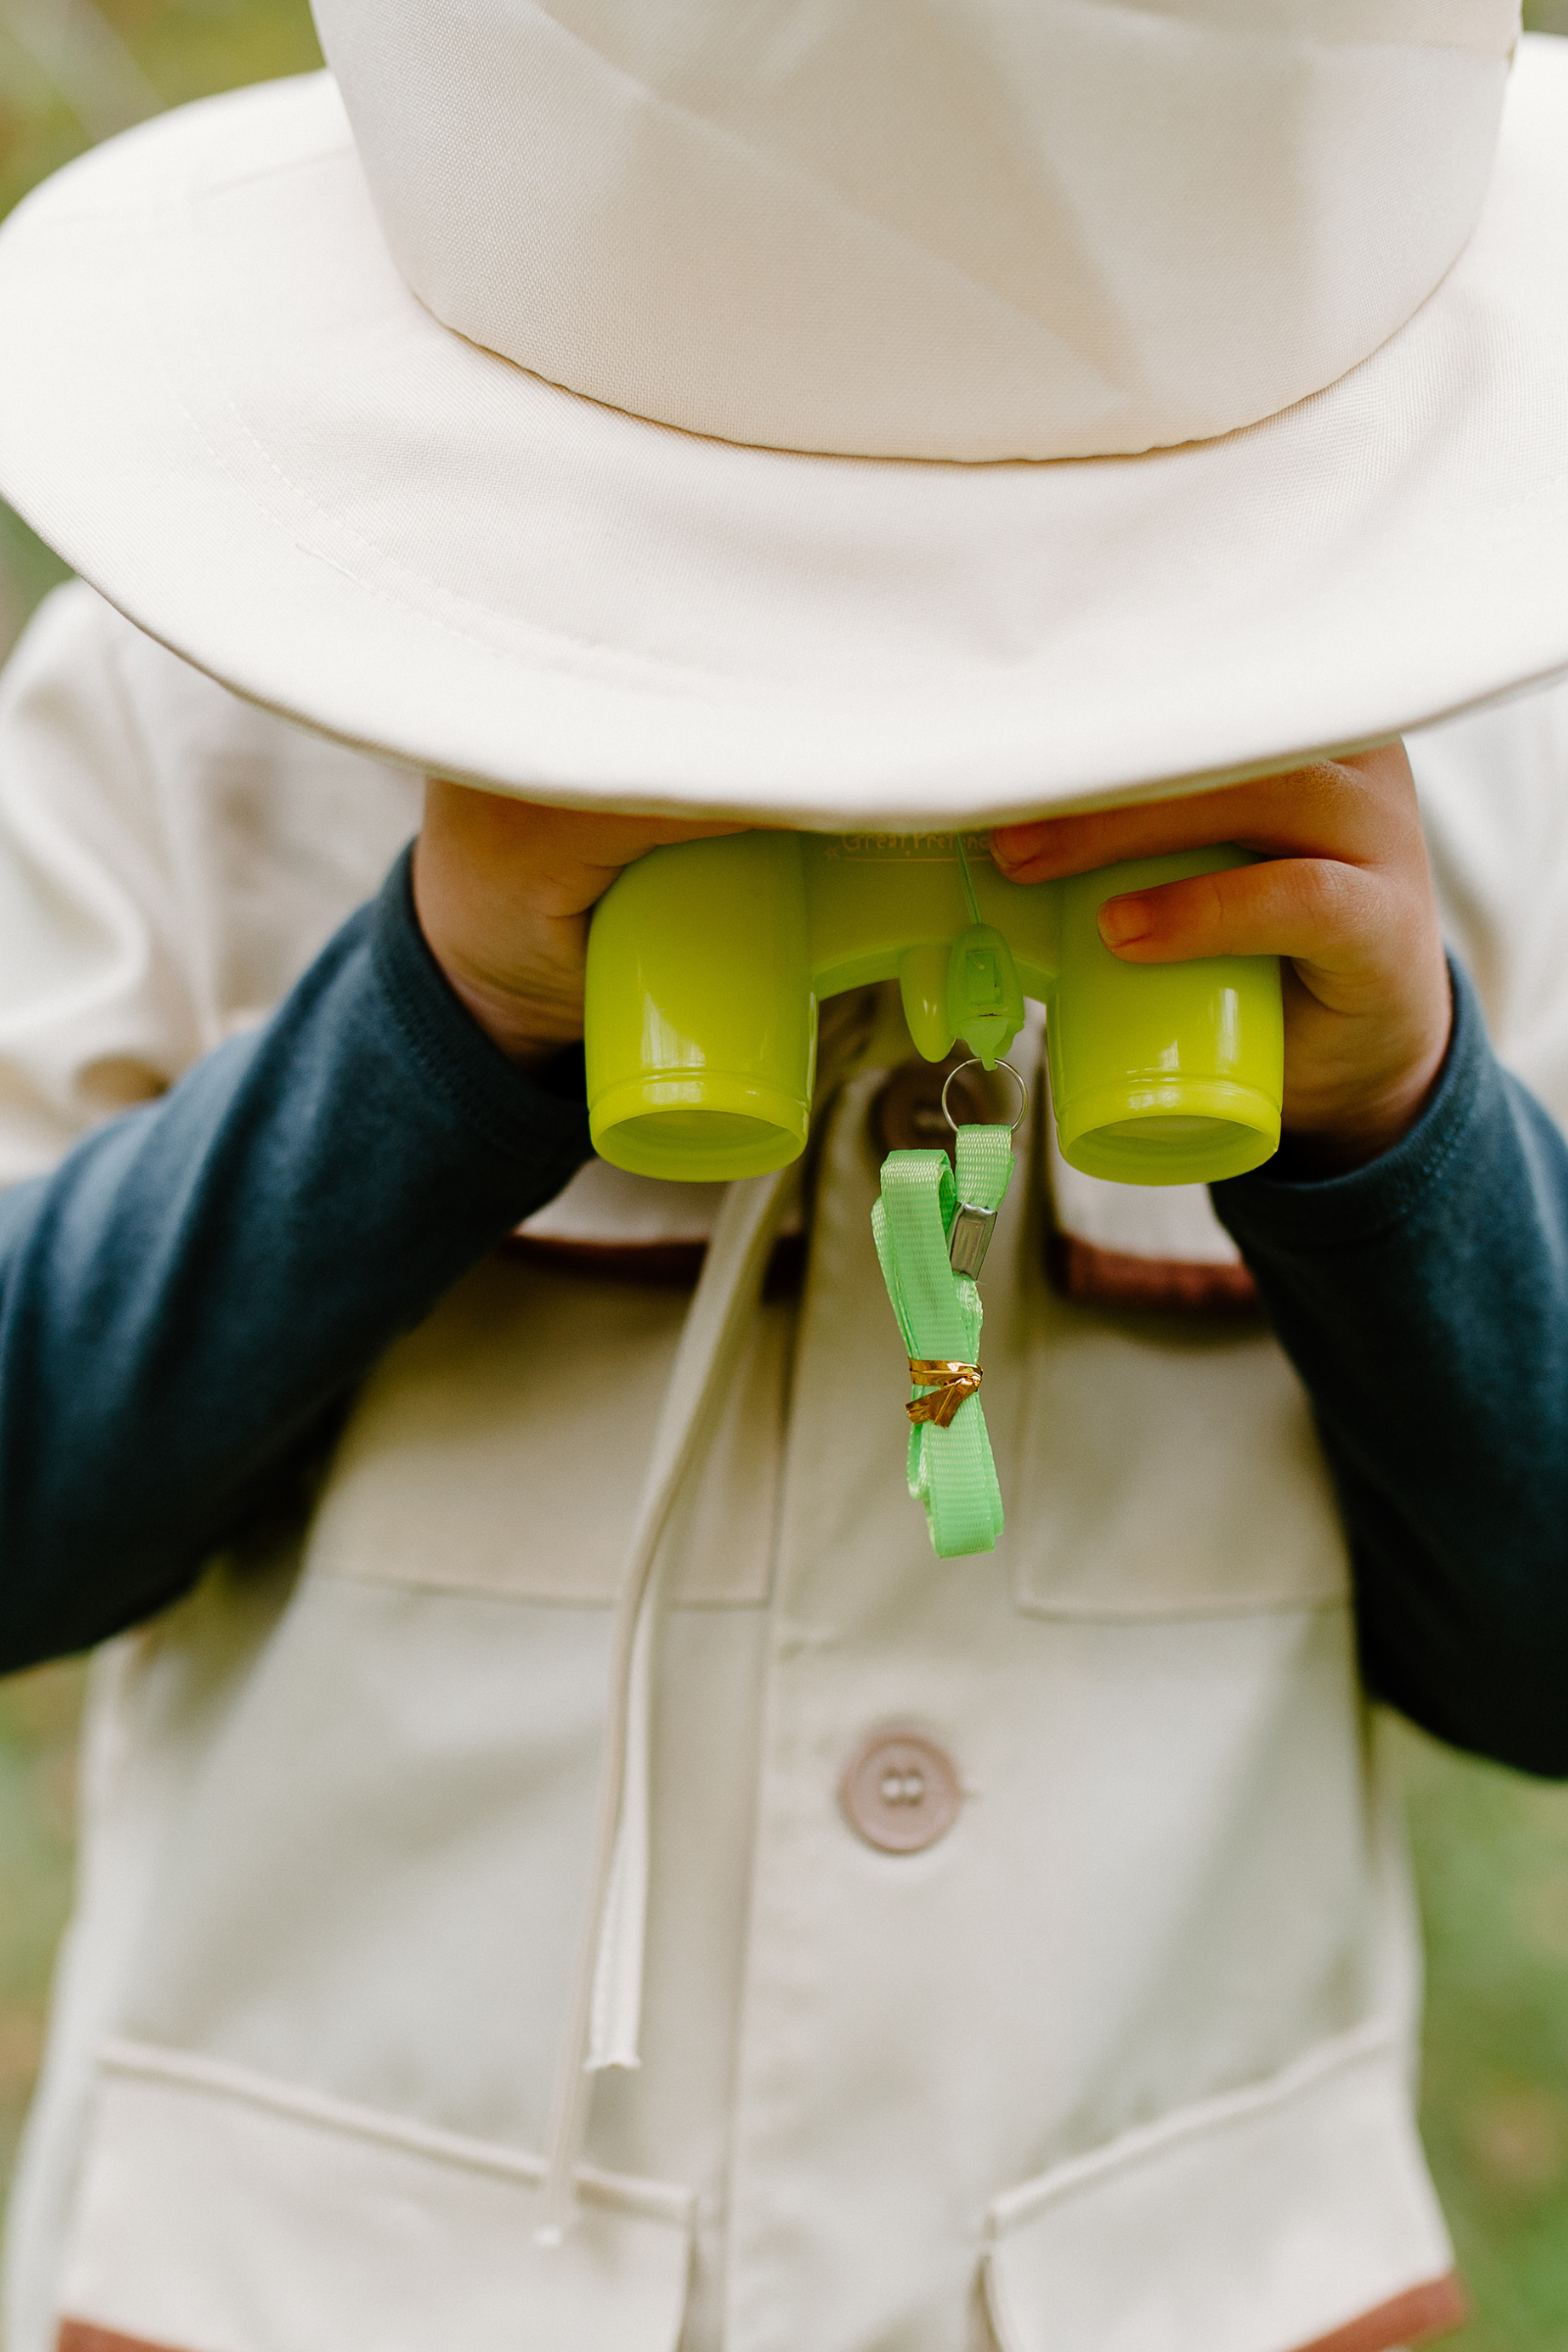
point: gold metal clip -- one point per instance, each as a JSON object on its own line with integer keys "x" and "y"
{"x": 950, "y": 1384}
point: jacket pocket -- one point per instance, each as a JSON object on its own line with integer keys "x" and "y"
{"x": 1165, "y": 1469}
{"x": 223, "y": 2210}
{"x": 500, "y": 1449}
{"x": 1293, "y": 2215}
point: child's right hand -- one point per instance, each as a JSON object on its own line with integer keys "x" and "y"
{"x": 503, "y": 890}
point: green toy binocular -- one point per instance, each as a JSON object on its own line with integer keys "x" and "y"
{"x": 707, "y": 961}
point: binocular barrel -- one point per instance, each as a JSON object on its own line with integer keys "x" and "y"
{"x": 707, "y": 961}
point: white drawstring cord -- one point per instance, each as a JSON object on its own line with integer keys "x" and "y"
{"x": 605, "y": 2002}
{"x": 615, "y": 2013}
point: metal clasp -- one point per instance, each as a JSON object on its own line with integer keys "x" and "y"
{"x": 970, "y": 1237}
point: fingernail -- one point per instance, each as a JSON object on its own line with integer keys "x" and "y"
{"x": 1019, "y": 844}
{"x": 1122, "y": 920}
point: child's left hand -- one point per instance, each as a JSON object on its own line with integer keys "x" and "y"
{"x": 1344, "y": 896}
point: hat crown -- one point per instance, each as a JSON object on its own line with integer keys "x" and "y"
{"x": 927, "y": 228}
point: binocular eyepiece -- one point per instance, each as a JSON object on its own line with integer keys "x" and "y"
{"x": 707, "y": 961}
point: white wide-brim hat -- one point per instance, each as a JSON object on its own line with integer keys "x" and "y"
{"x": 226, "y": 407}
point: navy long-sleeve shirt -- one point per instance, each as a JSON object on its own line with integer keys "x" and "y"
{"x": 1424, "y": 1301}
{"x": 187, "y": 1300}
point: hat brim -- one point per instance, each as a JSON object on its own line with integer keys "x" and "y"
{"x": 225, "y": 409}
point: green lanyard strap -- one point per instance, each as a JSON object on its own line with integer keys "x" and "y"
{"x": 939, "y": 1315}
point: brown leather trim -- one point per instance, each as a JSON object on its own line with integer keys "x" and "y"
{"x": 653, "y": 1266}
{"x": 647, "y": 1266}
{"x": 80, "y": 2336}
{"x": 1152, "y": 1285}
{"x": 1413, "y": 2318}
{"x": 1079, "y": 1270}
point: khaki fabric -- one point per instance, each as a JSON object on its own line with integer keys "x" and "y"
{"x": 1121, "y": 2058}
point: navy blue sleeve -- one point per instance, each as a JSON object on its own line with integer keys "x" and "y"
{"x": 190, "y": 1297}
{"x": 1424, "y": 1301}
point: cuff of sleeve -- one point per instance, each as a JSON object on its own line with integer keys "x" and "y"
{"x": 1328, "y": 1213}
{"x": 520, "y": 1114}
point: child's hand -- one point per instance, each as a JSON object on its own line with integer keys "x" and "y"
{"x": 1345, "y": 897}
{"x": 503, "y": 889}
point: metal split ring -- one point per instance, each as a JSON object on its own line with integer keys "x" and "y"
{"x": 975, "y": 1063}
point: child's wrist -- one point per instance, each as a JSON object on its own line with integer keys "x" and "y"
{"x": 1366, "y": 1127}
{"x": 525, "y": 1032}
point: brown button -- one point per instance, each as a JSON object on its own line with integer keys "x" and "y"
{"x": 907, "y": 1111}
{"x": 899, "y": 1793}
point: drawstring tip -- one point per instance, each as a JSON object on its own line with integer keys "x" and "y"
{"x": 550, "y": 2235}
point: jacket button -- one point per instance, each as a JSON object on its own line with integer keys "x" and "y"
{"x": 906, "y": 1111}
{"x": 899, "y": 1793}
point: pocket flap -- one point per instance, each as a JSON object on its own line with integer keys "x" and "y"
{"x": 1294, "y": 2216}
{"x": 222, "y": 2210}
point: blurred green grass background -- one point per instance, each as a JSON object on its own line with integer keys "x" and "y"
{"x": 1492, "y": 1850}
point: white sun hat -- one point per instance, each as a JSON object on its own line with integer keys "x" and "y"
{"x": 883, "y": 412}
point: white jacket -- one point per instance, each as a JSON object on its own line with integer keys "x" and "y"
{"x": 1118, "y": 2063}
